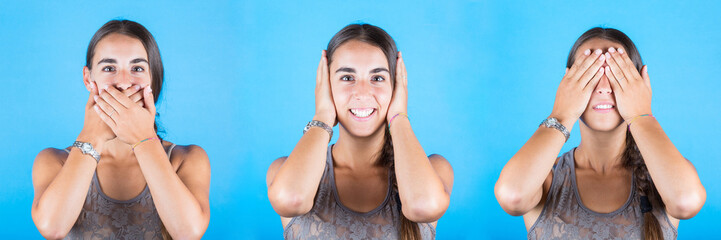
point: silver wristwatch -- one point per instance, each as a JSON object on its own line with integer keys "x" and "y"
{"x": 554, "y": 123}
{"x": 316, "y": 123}
{"x": 87, "y": 149}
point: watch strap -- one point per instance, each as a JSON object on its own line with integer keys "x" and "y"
{"x": 316, "y": 123}
{"x": 554, "y": 123}
{"x": 87, "y": 149}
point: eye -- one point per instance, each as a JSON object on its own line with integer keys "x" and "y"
{"x": 108, "y": 69}
{"x": 378, "y": 78}
{"x": 346, "y": 78}
{"x": 138, "y": 69}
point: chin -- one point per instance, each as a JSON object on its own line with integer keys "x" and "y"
{"x": 602, "y": 124}
{"x": 361, "y": 129}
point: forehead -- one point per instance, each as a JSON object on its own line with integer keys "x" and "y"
{"x": 597, "y": 43}
{"x": 120, "y": 47}
{"x": 358, "y": 54}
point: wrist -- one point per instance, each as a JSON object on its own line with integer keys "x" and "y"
{"x": 97, "y": 142}
{"x": 565, "y": 120}
{"x": 330, "y": 121}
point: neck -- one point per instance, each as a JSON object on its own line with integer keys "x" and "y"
{"x": 601, "y": 151}
{"x": 358, "y": 152}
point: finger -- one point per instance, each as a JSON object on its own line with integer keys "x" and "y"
{"x": 591, "y": 71}
{"x": 627, "y": 66}
{"x": 594, "y": 81}
{"x": 401, "y": 74}
{"x": 616, "y": 70}
{"x": 93, "y": 93}
{"x": 103, "y": 116}
{"x": 110, "y": 100}
{"x": 644, "y": 75}
{"x": 148, "y": 99}
{"x": 119, "y": 97}
{"x": 321, "y": 65}
{"x": 577, "y": 62}
{"x": 131, "y": 90}
{"x": 136, "y": 97}
{"x": 106, "y": 108}
{"x": 615, "y": 85}
{"x": 587, "y": 63}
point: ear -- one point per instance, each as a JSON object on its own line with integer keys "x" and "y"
{"x": 86, "y": 78}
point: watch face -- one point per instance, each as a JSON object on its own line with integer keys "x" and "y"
{"x": 86, "y": 147}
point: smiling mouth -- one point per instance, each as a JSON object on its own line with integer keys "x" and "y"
{"x": 603, "y": 107}
{"x": 362, "y": 112}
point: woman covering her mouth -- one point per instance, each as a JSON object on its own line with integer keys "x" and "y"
{"x": 625, "y": 180}
{"x": 375, "y": 182}
{"x": 119, "y": 179}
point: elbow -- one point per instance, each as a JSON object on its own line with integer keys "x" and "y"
{"x": 191, "y": 233}
{"x": 48, "y": 228}
{"x": 423, "y": 210}
{"x": 50, "y": 231}
{"x": 686, "y": 206}
{"x": 511, "y": 200}
{"x": 288, "y": 203}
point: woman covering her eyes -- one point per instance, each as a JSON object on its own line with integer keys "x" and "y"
{"x": 375, "y": 182}
{"x": 625, "y": 180}
{"x": 119, "y": 179}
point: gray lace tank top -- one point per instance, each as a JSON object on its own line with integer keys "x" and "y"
{"x": 329, "y": 219}
{"x": 105, "y": 218}
{"x": 565, "y": 217}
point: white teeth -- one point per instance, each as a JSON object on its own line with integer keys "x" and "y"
{"x": 362, "y": 112}
{"x": 604, "y": 106}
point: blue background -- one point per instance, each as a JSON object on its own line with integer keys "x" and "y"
{"x": 240, "y": 81}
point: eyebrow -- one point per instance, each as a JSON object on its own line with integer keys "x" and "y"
{"x": 352, "y": 70}
{"x": 345, "y": 69}
{"x": 377, "y": 70}
{"x": 139, "y": 60}
{"x": 111, "y": 60}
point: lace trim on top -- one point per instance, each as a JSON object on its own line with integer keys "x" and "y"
{"x": 103, "y": 217}
{"x": 564, "y": 216}
{"x": 330, "y": 219}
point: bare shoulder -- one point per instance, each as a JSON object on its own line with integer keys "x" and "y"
{"x": 52, "y": 156}
{"x": 440, "y": 163}
{"x": 273, "y": 169}
{"x": 443, "y": 169}
{"x": 184, "y": 156}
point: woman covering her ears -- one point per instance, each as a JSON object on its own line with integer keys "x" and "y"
{"x": 625, "y": 180}
{"x": 119, "y": 179}
{"x": 376, "y": 181}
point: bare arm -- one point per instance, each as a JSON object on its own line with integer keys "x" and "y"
{"x": 292, "y": 184}
{"x": 60, "y": 190}
{"x": 675, "y": 177}
{"x": 424, "y": 185}
{"x": 181, "y": 198}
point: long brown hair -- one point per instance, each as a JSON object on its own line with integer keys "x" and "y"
{"x": 138, "y": 31}
{"x": 631, "y": 156}
{"x": 378, "y": 37}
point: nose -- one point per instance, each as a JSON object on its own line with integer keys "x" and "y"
{"x": 123, "y": 80}
{"x": 361, "y": 89}
{"x": 604, "y": 87}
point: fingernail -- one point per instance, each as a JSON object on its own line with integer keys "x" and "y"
{"x": 587, "y": 52}
{"x": 136, "y": 87}
{"x": 148, "y": 89}
{"x": 602, "y": 57}
{"x": 96, "y": 108}
{"x": 105, "y": 87}
{"x": 598, "y": 52}
{"x": 95, "y": 97}
{"x": 608, "y": 55}
{"x": 620, "y": 50}
{"x": 611, "y": 50}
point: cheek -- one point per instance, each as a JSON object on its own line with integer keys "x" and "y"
{"x": 384, "y": 96}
